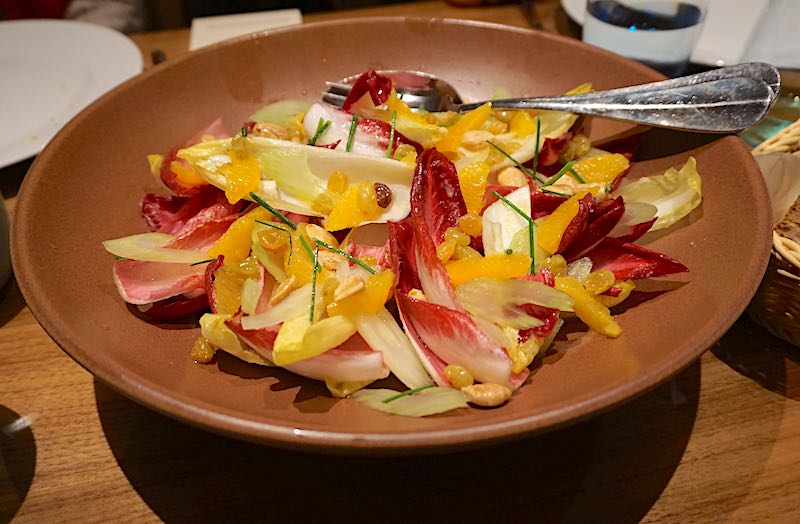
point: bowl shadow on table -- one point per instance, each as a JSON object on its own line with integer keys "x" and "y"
{"x": 611, "y": 468}
{"x": 772, "y": 363}
{"x": 17, "y": 462}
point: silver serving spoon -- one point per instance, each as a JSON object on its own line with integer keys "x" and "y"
{"x": 725, "y": 100}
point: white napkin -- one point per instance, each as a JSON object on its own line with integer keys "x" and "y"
{"x": 212, "y": 29}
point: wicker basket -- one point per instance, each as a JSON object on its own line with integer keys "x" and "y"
{"x": 776, "y": 304}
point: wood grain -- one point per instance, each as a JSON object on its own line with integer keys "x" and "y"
{"x": 719, "y": 443}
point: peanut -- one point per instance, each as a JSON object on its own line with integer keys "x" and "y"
{"x": 315, "y": 232}
{"x": 476, "y": 139}
{"x": 283, "y": 290}
{"x": 348, "y": 288}
{"x": 487, "y": 395}
{"x": 329, "y": 260}
{"x": 269, "y": 130}
{"x": 512, "y": 176}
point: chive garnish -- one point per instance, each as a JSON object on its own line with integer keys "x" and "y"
{"x": 345, "y": 254}
{"x": 405, "y": 394}
{"x": 310, "y": 253}
{"x": 556, "y": 193}
{"x": 313, "y": 280}
{"x": 531, "y": 174}
{"x": 536, "y": 151}
{"x": 530, "y": 226}
{"x": 322, "y": 126}
{"x": 203, "y": 262}
{"x": 391, "y": 135}
{"x": 272, "y": 210}
{"x": 553, "y": 179}
{"x": 352, "y": 134}
{"x": 244, "y": 131}
{"x": 119, "y": 257}
{"x": 509, "y": 251}
{"x": 288, "y": 232}
{"x": 575, "y": 175}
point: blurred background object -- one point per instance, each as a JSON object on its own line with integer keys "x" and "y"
{"x": 658, "y": 33}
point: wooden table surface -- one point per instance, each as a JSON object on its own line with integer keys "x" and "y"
{"x": 719, "y": 443}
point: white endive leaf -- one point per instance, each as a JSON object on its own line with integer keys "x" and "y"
{"x": 429, "y": 401}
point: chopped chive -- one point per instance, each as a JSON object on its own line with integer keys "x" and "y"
{"x": 244, "y": 131}
{"x": 272, "y": 210}
{"x": 391, "y": 135}
{"x": 530, "y": 226}
{"x": 322, "y": 126}
{"x": 531, "y": 174}
{"x": 536, "y": 151}
{"x": 119, "y": 257}
{"x": 313, "y": 281}
{"x": 203, "y": 262}
{"x": 287, "y": 231}
{"x": 553, "y": 179}
{"x": 345, "y": 254}
{"x": 352, "y": 134}
{"x": 405, "y": 394}
{"x": 310, "y": 254}
{"x": 556, "y": 193}
{"x": 509, "y": 251}
{"x": 575, "y": 174}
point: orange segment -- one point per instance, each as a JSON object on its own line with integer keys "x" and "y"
{"x": 369, "y": 300}
{"x": 494, "y": 266}
{"x": 601, "y": 169}
{"x": 468, "y": 122}
{"x": 243, "y": 174}
{"x": 353, "y": 208}
{"x": 234, "y": 244}
{"x": 472, "y": 180}
{"x": 588, "y": 308}
{"x": 550, "y": 231}
{"x": 186, "y": 175}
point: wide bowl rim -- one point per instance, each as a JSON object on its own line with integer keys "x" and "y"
{"x": 212, "y": 418}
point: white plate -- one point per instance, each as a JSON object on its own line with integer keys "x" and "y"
{"x": 727, "y": 30}
{"x": 49, "y": 71}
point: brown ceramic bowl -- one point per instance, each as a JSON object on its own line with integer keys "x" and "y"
{"x": 86, "y": 185}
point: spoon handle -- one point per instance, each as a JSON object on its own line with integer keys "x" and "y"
{"x": 723, "y": 100}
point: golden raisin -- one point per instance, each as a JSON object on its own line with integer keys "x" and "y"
{"x": 273, "y": 239}
{"x": 471, "y": 224}
{"x": 463, "y": 252}
{"x": 458, "y": 376}
{"x": 337, "y": 182}
{"x": 323, "y": 204}
{"x": 455, "y": 234}
{"x": 599, "y": 281}
{"x": 202, "y": 351}
{"x": 368, "y": 199}
{"x": 556, "y": 264}
{"x": 445, "y": 250}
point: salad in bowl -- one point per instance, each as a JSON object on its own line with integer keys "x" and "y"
{"x": 347, "y": 244}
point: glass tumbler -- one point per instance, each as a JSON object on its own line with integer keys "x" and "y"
{"x": 659, "y": 33}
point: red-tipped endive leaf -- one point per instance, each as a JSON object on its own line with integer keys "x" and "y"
{"x": 371, "y": 136}
{"x": 375, "y": 85}
{"x": 175, "y": 307}
{"x": 141, "y": 282}
{"x": 202, "y": 231}
{"x": 548, "y": 316}
{"x": 637, "y": 231}
{"x": 208, "y": 282}
{"x": 628, "y": 261}
{"x": 170, "y": 213}
{"x": 436, "y": 200}
{"x": 602, "y": 220}
{"x": 170, "y": 179}
{"x": 455, "y": 339}
{"x": 579, "y": 224}
{"x": 353, "y": 361}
